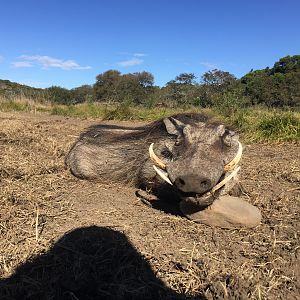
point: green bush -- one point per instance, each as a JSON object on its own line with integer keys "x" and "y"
{"x": 14, "y": 106}
{"x": 59, "y": 95}
{"x": 282, "y": 126}
{"x": 150, "y": 102}
{"x": 240, "y": 119}
{"x": 230, "y": 103}
{"x": 122, "y": 111}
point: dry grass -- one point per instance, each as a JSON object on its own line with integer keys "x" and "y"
{"x": 22, "y": 103}
{"x": 135, "y": 250}
{"x": 31, "y": 175}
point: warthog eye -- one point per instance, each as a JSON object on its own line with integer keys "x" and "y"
{"x": 228, "y": 138}
{"x": 177, "y": 142}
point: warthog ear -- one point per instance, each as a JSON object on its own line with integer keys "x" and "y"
{"x": 229, "y": 137}
{"x": 173, "y": 126}
{"x": 221, "y": 130}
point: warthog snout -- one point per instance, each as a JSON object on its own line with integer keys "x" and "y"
{"x": 193, "y": 184}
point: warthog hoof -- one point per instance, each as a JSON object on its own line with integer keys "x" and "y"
{"x": 225, "y": 212}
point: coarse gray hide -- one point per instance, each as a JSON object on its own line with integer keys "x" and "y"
{"x": 193, "y": 148}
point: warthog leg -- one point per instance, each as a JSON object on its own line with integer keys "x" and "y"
{"x": 145, "y": 197}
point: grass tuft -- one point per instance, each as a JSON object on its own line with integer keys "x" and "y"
{"x": 14, "y": 106}
{"x": 122, "y": 111}
{"x": 284, "y": 126}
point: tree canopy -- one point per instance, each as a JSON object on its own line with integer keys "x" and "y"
{"x": 112, "y": 86}
{"x": 278, "y": 86}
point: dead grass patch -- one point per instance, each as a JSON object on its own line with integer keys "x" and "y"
{"x": 40, "y": 201}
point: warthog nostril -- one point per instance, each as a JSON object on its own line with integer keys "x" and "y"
{"x": 192, "y": 184}
{"x": 181, "y": 181}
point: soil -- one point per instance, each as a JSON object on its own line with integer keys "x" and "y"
{"x": 66, "y": 238}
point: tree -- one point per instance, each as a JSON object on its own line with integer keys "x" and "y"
{"x": 59, "y": 95}
{"x": 104, "y": 88}
{"x": 135, "y": 87}
{"x": 182, "y": 90}
{"x": 275, "y": 87}
{"x": 108, "y": 77}
{"x": 145, "y": 79}
{"x": 82, "y": 94}
{"x": 214, "y": 84}
{"x": 186, "y": 78}
{"x": 287, "y": 64}
{"x": 112, "y": 86}
{"x": 218, "y": 80}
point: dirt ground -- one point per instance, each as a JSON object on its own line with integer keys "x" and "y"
{"x": 65, "y": 238}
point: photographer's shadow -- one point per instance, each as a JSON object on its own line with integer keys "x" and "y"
{"x": 87, "y": 263}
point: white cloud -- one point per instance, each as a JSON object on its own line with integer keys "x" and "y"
{"x": 22, "y": 64}
{"x": 1, "y": 58}
{"x": 208, "y": 65}
{"x": 130, "y": 62}
{"x": 51, "y": 62}
{"x": 139, "y": 54}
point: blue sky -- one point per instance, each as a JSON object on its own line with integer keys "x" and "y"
{"x": 67, "y": 43}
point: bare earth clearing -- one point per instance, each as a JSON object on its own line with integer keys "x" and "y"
{"x": 123, "y": 249}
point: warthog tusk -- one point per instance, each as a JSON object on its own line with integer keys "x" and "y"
{"x": 224, "y": 181}
{"x": 159, "y": 165}
{"x": 231, "y": 165}
{"x": 157, "y": 161}
{"x": 162, "y": 174}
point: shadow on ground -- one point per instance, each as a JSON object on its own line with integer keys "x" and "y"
{"x": 87, "y": 263}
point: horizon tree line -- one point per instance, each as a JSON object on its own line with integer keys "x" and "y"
{"x": 278, "y": 86}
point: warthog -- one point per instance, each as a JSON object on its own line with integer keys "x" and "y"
{"x": 185, "y": 157}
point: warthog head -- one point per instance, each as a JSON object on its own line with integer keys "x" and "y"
{"x": 185, "y": 153}
{"x": 195, "y": 161}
